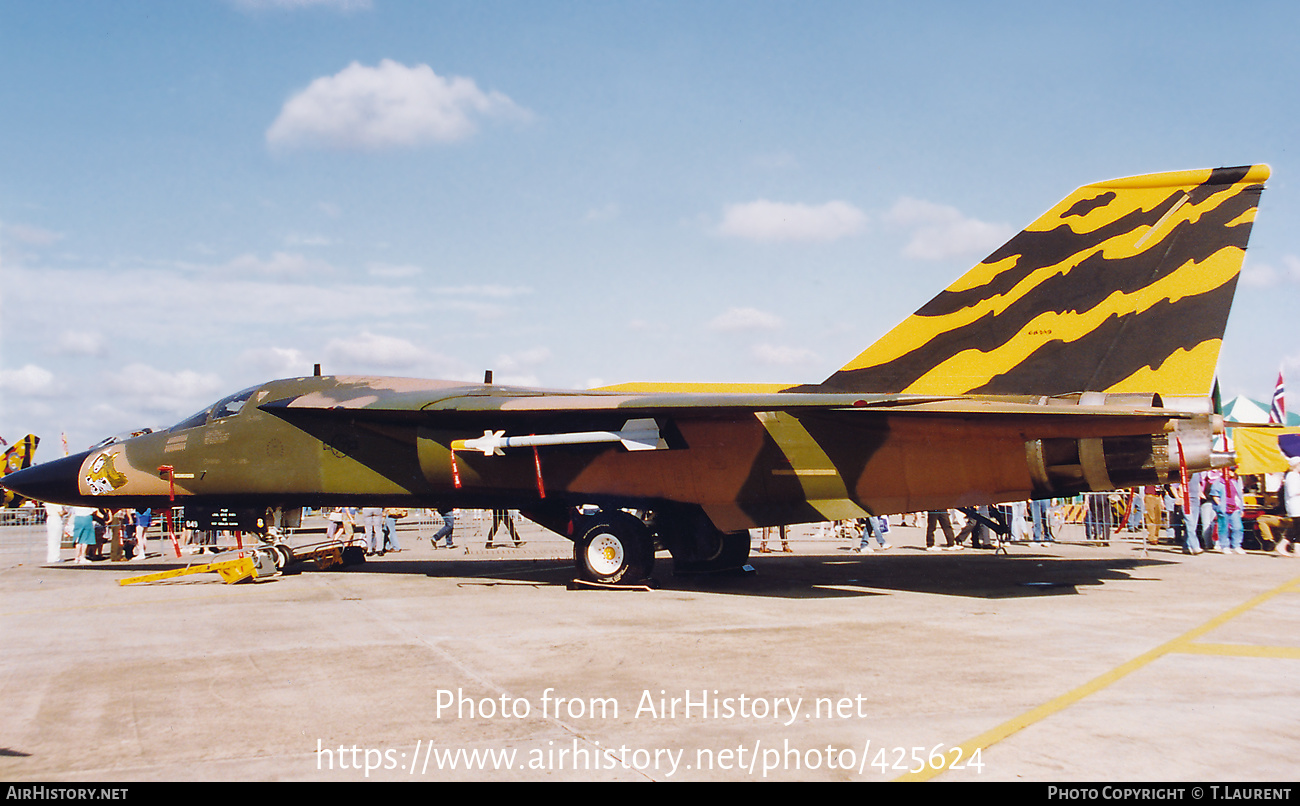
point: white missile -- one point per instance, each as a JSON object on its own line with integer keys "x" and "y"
{"x": 636, "y": 435}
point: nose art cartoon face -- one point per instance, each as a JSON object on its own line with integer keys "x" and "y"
{"x": 103, "y": 477}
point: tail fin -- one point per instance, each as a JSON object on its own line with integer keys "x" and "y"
{"x": 18, "y": 457}
{"x": 1124, "y": 286}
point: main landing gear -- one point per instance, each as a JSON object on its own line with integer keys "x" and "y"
{"x": 613, "y": 546}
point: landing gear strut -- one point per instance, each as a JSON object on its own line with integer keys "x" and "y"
{"x": 612, "y": 546}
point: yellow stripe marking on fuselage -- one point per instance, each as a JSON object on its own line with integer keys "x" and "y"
{"x": 823, "y": 487}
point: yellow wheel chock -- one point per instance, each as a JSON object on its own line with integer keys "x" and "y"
{"x": 231, "y": 571}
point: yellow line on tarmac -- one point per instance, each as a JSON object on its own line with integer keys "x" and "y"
{"x": 1243, "y": 650}
{"x": 1182, "y": 643}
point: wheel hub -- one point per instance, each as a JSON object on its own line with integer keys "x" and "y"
{"x": 605, "y": 554}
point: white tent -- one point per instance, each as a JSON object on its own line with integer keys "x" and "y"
{"x": 1242, "y": 409}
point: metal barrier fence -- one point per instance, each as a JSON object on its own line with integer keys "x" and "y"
{"x": 22, "y": 516}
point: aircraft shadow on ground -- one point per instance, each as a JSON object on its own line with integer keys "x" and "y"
{"x": 978, "y": 576}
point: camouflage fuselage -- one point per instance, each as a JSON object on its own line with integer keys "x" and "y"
{"x": 350, "y": 441}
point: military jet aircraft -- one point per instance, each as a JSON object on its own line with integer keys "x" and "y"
{"x": 1079, "y": 356}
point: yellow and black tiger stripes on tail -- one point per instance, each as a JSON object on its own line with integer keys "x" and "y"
{"x": 1124, "y": 286}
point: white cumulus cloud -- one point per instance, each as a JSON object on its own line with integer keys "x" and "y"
{"x": 32, "y": 236}
{"x": 393, "y": 271}
{"x": 939, "y": 231}
{"x": 494, "y": 290}
{"x": 279, "y": 264}
{"x": 374, "y": 350}
{"x": 276, "y": 362}
{"x": 515, "y": 369}
{"x": 28, "y": 380}
{"x": 769, "y": 221}
{"x": 76, "y": 342}
{"x": 1264, "y": 275}
{"x": 734, "y": 319}
{"x": 525, "y": 358}
{"x": 783, "y": 356}
{"x": 607, "y": 212}
{"x": 159, "y": 391}
{"x": 387, "y": 106}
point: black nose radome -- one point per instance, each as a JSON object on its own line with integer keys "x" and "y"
{"x": 55, "y": 481}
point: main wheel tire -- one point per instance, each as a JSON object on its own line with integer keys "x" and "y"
{"x": 735, "y": 549}
{"x": 730, "y": 552}
{"x": 615, "y": 548}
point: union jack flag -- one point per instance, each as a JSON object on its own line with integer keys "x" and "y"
{"x": 1277, "y": 412}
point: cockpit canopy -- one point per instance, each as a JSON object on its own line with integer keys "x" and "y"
{"x": 225, "y": 407}
{"x": 122, "y": 437}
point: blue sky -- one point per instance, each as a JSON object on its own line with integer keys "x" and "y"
{"x": 197, "y": 197}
